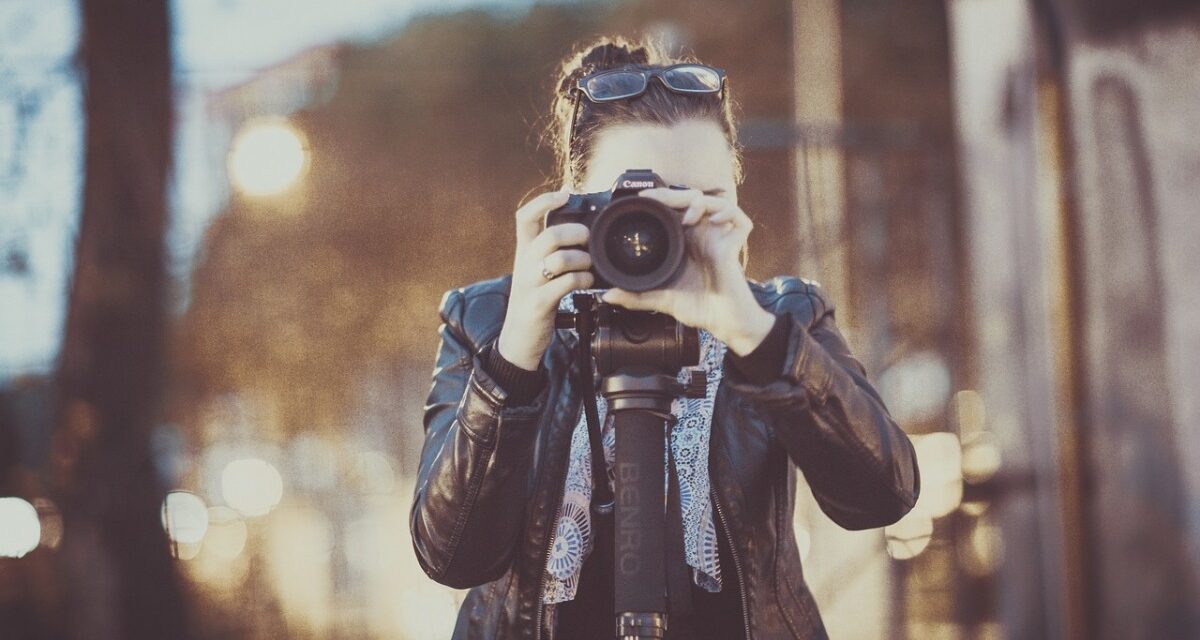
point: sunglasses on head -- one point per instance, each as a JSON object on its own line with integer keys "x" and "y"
{"x": 619, "y": 84}
{"x": 611, "y": 85}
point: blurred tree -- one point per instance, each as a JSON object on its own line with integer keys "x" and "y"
{"x": 120, "y": 579}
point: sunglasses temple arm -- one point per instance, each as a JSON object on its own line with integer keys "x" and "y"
{"x": 571, "y": 132}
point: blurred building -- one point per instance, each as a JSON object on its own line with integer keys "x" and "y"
{"x": 1004, "y": 193}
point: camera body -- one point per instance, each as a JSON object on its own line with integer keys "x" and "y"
{"x": 636, "y": 243}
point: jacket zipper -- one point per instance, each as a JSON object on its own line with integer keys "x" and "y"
{"x": 553, "y": 529}
{"x": 737, "y": 563}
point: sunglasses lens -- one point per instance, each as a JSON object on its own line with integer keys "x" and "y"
{"x": 614, "y": 86}
{"x": 693, "y": 78}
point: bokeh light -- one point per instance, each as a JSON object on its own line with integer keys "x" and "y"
{"x": 252, "y": 486}
{"x": 187, "y": 550}
{"x": 300, "y": 540}
{"x": 185, "y": 517}
{"x": 373, "y": 473}
{"x": 969, "y": 411}
{"x": 267, "y": 157}
{"x": 803, "y": 542}
{"x": 426, "y": 611}
{"x": 910, "y": 536}
{"x": 226, "y": 533}
{"x": 313, "y": 462}
{"x": 20, "y": 530}
{"x": 940, "y": 458}
{"x": 223, "y": 562}
{"x": 974, "y": 508}
{"x": 51, "y": 521}
{"x": 916, "y": 388}
{"x": 982, "y": 550}
{"x": 980, "y": 457}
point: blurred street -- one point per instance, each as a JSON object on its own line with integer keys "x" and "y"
{"x": 226, "y": 225}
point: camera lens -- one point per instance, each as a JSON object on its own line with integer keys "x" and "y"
{"x": 637, "y": 244}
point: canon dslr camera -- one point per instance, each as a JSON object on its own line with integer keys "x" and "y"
{"x": 636, "y": 243}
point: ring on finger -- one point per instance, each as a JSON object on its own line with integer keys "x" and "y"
{"x": 546, "y": 273}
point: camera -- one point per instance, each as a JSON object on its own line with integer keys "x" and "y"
{"x": 636, "y": 243}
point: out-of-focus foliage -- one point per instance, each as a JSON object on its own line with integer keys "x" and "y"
{"x": 427, "y": 146}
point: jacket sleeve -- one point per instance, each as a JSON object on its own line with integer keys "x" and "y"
{"x": 474, "y": 472}
{"x": 859, "y": 464}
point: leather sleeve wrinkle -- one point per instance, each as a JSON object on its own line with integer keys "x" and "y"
{"x": 474, "y": 465}
{"x": 826, "y": 410}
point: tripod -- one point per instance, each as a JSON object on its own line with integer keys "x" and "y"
{"x": 638, "y": 355}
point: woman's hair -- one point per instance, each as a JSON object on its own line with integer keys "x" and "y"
{"x": 657, "y": 105}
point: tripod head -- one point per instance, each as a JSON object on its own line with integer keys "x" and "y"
{"x": 634, "y": 342}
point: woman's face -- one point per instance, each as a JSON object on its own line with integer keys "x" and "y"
{"x": 693, "y": 153}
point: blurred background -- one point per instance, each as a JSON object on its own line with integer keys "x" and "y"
{"x": 225, "y": 226}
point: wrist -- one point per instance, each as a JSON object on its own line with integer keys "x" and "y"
{"x": 521, "y": 355}
{"x": 747, "y": 323}
{"x": 749, "y": 330}
{"x": 521, "y": 385}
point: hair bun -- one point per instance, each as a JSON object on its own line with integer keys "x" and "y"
{"x": 606, "y": 53}
{"x": 611, "y": 54}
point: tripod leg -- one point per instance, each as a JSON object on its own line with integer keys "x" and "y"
{"x": 638, "y": 551}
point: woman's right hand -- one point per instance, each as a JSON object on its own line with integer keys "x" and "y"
{"x": 533, "y": 300}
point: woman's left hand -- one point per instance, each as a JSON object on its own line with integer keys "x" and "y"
{"x": 712, "y": 292}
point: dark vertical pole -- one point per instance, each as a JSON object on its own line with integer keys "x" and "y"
{"x": 120, "y": 577}
{"x": 639, "y": 550}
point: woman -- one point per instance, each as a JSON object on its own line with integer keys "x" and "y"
{"x": 503, "y": 493}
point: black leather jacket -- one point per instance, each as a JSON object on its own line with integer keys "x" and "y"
{"x": 491, "y": 476}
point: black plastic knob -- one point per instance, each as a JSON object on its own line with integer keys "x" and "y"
{"x": 697, "y": 386}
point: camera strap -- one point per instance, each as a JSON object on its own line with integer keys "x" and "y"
{"x": 602, "y": 497}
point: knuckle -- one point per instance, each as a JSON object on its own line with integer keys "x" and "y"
{"x": 541, "y": 244}
{"x": 534, "y": 207}
{"x": 550, "y": 200}
{"x": 569, "y": 234}
{"x": 524, "y": 211}
{"x": 577, "y": 230}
